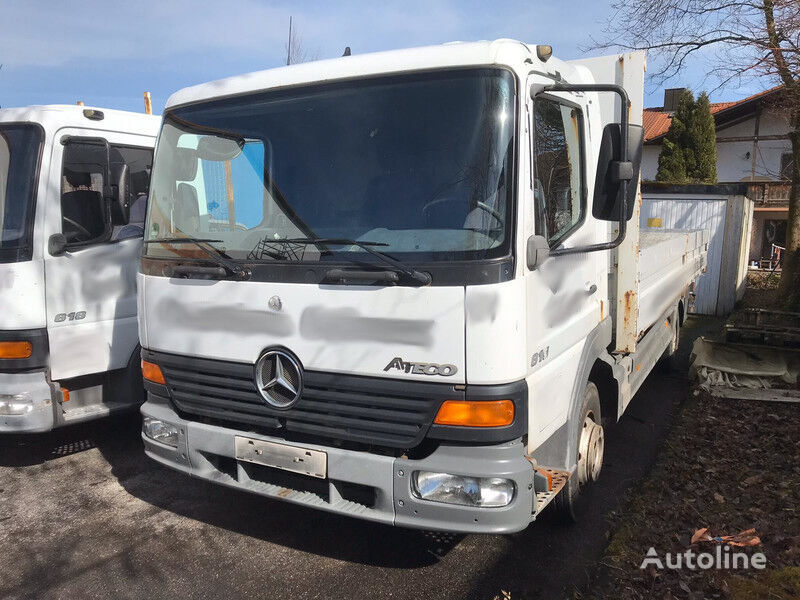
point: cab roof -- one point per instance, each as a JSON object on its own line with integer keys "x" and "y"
{"x": 453, "y": 54}
{"x": 54, "y": 116}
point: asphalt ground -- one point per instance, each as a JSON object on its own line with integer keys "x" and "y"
{"x": 85, "y": 514}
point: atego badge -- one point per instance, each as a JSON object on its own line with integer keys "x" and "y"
{"x": 420, "y": 368}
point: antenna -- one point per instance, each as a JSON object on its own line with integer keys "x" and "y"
{"x": 289, "y": 45}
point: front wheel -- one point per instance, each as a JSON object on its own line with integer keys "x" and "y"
{"x": 589, "y": 441}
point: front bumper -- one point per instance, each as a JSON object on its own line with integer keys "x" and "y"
{"x": 39, "y": 394}
{"x": 207, "y": 451}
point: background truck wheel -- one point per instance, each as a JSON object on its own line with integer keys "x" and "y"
{"x": 590, "y": 443}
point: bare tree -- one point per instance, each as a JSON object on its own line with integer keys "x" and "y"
{"x": 296, "y": 52}
{"x": 745, "y": 38}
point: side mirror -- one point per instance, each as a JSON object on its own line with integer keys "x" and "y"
{"x": 185, "y": 164}
{"x": 611, "y": 172}
{"x": 537, "y": 251}
{"x": 120, "y": 196}
{"x": 57, "y": 244}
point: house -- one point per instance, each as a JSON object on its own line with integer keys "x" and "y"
{"x": 752, "y": 146}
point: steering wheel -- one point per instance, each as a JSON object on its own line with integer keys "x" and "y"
{"x": 491, "y": 211}
{"x": 482, "y": 205}
{"x": 80, "y": 228}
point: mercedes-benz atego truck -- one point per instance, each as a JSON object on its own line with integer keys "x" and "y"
{"x": 406, "y": 286}
{"x": 73, "y": 192}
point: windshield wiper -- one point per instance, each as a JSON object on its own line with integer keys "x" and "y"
{"x": 226, "y": 265}
{"x": 418, "y": 276}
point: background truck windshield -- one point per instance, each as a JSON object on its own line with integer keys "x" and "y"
{"x": 422, "y": 163}
{"x": 19, "y": 158}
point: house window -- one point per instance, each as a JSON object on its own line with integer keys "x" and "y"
{"x": 786, "y": 166}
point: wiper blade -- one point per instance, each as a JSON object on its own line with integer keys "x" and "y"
{"x": 418, "y": 276}
{"x": 217, "y": 256}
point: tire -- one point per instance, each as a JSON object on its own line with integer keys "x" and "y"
{"x": 589, "y": 442}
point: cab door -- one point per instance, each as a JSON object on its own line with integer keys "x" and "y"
{"x": 563, "y": 304}
{"x": 94, "y": 224}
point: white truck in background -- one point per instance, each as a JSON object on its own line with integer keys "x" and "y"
{"x": 405, "y": 286}
{"x": 73, "y": 194}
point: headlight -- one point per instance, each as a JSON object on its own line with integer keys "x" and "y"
{"x": 485, "y": 492}
{"x": 15, "y": 404}
{"x": 161, "y": 431}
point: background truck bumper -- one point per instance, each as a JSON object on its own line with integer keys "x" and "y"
{"x": 358, "y": 484}
{"x": 35, "y": 394}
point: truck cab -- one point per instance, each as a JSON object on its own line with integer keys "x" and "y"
{"x": 387, "y": 285}
{"x": 73, "y": 192}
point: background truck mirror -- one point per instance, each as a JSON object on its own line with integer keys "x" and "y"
{"x": 537, "y": 251}
{"x": 611, "y": 172}
{"x": 120, "y": 195}
{"x": 185, "y": 164}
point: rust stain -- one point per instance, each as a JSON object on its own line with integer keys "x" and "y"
{"x": 573, "y": 115}
{"x": 284, "y": 492}
{"x": 628, "y": 307}
{"x": 601, "y": 310}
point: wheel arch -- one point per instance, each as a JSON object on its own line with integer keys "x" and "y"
{"x": 558, "y": 451}
{"x": 602, "y": 375}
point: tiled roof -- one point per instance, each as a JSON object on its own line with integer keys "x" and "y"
{"x": 656, "y": 121}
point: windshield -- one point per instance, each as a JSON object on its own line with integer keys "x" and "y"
{"x": 19, "y": 165}
{"x": 420, "y": 164}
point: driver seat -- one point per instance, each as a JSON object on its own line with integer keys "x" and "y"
{"x": 83, "y": 206}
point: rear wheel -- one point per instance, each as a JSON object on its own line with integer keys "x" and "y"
{"x": 589, "y": 442}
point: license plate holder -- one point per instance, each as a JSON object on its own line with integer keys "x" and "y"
{"x": 305, "y": 461}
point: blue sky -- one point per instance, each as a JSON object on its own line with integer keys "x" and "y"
{"x": 107, "y": 52}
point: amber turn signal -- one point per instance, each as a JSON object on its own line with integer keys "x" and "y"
{"x": 152, "y": 372}
{"x": 478, "y": 413}
{"x": 16, "y": 349}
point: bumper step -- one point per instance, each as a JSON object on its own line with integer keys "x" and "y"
{"x": 556, "y": 481}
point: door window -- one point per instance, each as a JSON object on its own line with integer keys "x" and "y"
{"x": 558, "y": 170}
{"x": 83, "y": 212}
{"x": 139, "y": 163}
{"x": 92, "y": 179}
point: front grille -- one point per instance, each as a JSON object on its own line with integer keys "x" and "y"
{"x": 368, "y": 410}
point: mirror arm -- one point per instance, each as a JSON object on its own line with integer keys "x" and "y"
{"x": 623, "y": 146}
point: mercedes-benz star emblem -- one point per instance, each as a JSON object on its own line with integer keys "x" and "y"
{"x": 279, "y": 378}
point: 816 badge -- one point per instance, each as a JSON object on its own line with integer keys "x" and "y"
{"x": 540, "y": 356}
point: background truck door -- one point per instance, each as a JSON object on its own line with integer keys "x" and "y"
{"x": 563, "y": 294}
{"x": 91, "y": 288}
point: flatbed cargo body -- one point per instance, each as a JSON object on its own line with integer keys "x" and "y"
{"x": 669, "y": 260}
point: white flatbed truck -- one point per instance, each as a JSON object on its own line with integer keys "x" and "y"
{"x": 405, "y": 286}
{"x": 73, "y": 191}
